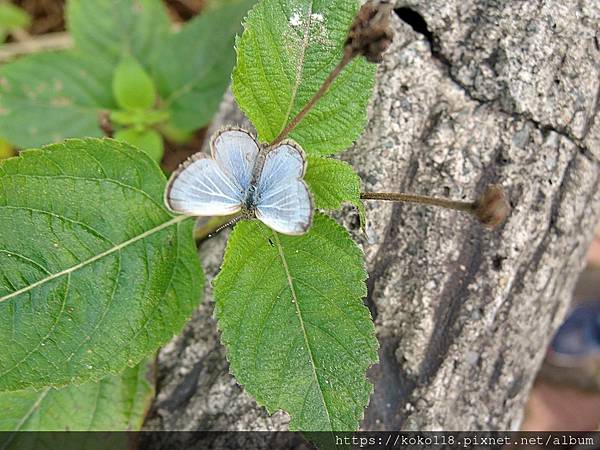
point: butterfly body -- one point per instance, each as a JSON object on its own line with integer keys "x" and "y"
{"x": 245, "y": 177}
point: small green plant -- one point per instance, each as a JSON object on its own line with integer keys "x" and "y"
{"x": 129, "y": 74}
{"x": 12, "y": 18}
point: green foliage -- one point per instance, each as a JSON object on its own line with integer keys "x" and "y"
{"x": 332, "y": 183}
{"x": 47, "y": 97}
{"x": 116, "y": 403}
{"x": 297, "y": 333}
{"x": 132, "y": 86}
{"x": 109, "y": 28}
{"x": 194, "y": 65}
{"x": 170, "y": 80}
{"x": 11, "y": 18}
{"x": 96, "y": 273}
{"x": 290, "y": 309}
{"x": 287, "y": 50}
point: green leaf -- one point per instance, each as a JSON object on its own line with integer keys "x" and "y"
{"x": 49, "y": 96}
{"x": 148, "y": 140}
{"x": 6, "y": 149}
{"x": 109, "y": 28}
{"x": 193, "y": 67}
{"x": 116, "y": 403}
{"x": 286, "y": 52}
{"x": 332, "y": 183}
{"x": 96, "y": 273}
{"x": 12, "y": 17}
{"x": 132, "y": 86}
{"x": 298, "y": 335}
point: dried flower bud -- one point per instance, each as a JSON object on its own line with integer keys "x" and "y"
{"x": 105, "y": 124}
{"x": 492, "y": 208}
{"x": 371, "y": 34}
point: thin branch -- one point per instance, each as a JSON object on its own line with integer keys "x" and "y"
{"x": 468, "y": 207}
{"x": 492, "y": 208}
{"x": 45, "y": 42}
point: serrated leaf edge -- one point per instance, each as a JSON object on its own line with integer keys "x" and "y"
{"x": 260, "y": 401}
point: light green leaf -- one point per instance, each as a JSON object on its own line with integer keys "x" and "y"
{"x": 132, "y": 86}
{"x": 286, "y": 52}
{"x": 148, "y": 140}
{"x": 49, "y": 96}
{"x": 116, "y": 403}
{"x": 108, "y": 28}
{"x": 193, "y": 67}
{"x": 332, "y": 183}
{"x": 298, "y": 335}
{"x": 95, "y": 273}
{"x": 6, "y": 149}
{"x": 13, "y": 17}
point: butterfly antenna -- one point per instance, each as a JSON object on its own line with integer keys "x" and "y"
{"x": 225, "y": 225}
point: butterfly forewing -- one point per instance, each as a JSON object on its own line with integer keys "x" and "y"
{"x": 235, "y": 151}
{"x": 201, "y": 188}
{"x": 212, "y": 187}
{"x": 283, "y": 201}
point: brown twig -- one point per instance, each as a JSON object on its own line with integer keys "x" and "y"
{"x": 468, "y": 207}
{"x": 491, "y": 209}
{"x": 45, "y": 42}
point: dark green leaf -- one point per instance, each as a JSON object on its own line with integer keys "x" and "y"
{"x": 108, "y": 28}
{"x": 298, "y": 335}
{"x": 288, "y": 49}
{"x": 47, "y": 97}
{"x": 116, "y": 403}
{"x": 193, "y": 68}
{"x": 95, "y": 273}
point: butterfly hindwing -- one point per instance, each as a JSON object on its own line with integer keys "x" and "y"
{"x": 216, "y": 186}
{"x": 283, "y": 201}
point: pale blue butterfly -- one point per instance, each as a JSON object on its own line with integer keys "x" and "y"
{"x": 244, "y": 176}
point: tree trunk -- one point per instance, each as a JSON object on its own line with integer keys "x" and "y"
{"x": 471, "y": 93}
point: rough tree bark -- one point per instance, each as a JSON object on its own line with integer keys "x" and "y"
{"x": 471, "y": 93}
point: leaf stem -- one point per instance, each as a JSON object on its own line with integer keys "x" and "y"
{"x": 491, "y": 209}
{"x": 312, "y": 102}
{"x": 468, "y": 207}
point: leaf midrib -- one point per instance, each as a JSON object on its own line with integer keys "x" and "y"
{"x": 300, "y": 72}
{"x": 300, "y": 318}
{"x": 95, "y": 258}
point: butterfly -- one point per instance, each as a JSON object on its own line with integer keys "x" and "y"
{"x": 244, "y": 176}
